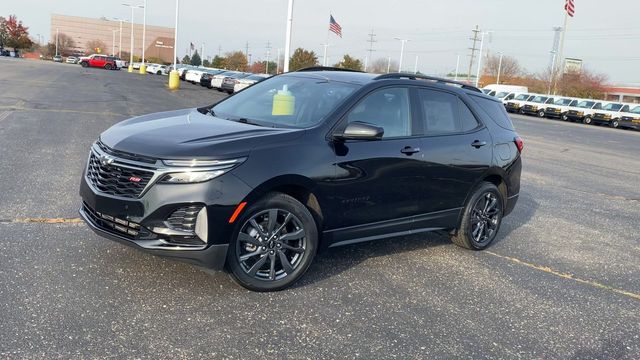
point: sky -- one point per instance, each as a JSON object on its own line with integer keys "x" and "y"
{"x": 603, "y": 34}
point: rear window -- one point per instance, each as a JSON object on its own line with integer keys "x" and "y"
{"x": 495, "y": 110}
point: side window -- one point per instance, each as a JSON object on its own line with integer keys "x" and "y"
{"x": 467, "y": 120}
{"x": 597, "y": 106}
{"x": 625, "y": 108}
{"x": 510, "y": 97}
{"x": 388, "y": 108}
{"x": 440, "y": 112}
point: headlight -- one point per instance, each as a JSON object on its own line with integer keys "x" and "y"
{"x": 191, "y": 177}
{"x": 196, "y": 171}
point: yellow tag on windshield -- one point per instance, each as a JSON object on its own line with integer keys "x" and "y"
{"x": 284, "y": 102}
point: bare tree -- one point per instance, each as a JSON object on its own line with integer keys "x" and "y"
{"x": 509, "y": 70}
{"x": 66, "y": 45}
{"x": 380, "y": 66}
{"x": 96, "y": 46}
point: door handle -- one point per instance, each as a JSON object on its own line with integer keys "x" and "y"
{"x": 408, "y": 150}
{"x": 478, "y": 144}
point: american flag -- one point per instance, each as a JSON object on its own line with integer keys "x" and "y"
{"x": 569, "y": 7}
{"x": 334, "y": 26}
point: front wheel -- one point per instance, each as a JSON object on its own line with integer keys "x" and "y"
{"x": 158, "y": 73}
{"x": 614, "y": 123}
{"x": 108, "y": 67}
{"x": 274, "y": 244}
{"x": 565, "y": 118}
{"x": 481, "y": 218}
{"x": 521, "y": 112}
{"x": 587, "y": 120}
{"x": 541, "y": 113}
{"x": 84, "y": 64}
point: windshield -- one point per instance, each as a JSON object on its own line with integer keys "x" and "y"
{"x": 539, "y": 99}
{"x": 289, "y": 101}
{"x": 586, "y": 104}
{"x": 612, "y": 107}
{"x": 563, "y": 102}
{"x": 522, "y": 97}
{"x": 502, "y": 95}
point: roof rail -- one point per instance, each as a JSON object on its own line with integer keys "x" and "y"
{"x": 325, "y": 68}
{"x": 429, "y": 78}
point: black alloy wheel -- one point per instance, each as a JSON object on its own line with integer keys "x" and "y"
{"x": 275, "y": 244}
{"x": 481, "y": 218}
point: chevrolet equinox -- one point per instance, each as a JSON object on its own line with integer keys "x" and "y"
{"x": 264, "y": 179}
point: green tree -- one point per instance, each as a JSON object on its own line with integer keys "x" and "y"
{"x": 217, "y": 62}
{"x": 186, "y": 60}
{"x": 206, "y": 63}
{"x": 13, "y": 34}
{"x": 235, "y": 61}
{"x": 301, "y": 59}
{"x": 349, "y": 62}
{"x": 195, "y": 59}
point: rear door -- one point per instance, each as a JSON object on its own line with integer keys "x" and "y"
{"x": 456, "y": 152}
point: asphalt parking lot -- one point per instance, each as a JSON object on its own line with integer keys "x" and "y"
{"x": 561, "y": 281}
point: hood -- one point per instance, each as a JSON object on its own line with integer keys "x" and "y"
{"x": 188, "y": 134}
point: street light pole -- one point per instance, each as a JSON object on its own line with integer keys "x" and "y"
{"x": 499, "y": 69}
{"x": 120, "y": 41}
{"x": 57, "y": 41}
{"x": 480, "y": 57}
{"x": 130, "y": 69}
{"x": 415, "y": 67}
{"x": 287, "y": 42}
{"x": 113, "y": 42}
{"x": 143, "y": 66}
{"x": 174, "y": 78}
{"x": 403, "y": 41}
{"x": 457, "y": 68}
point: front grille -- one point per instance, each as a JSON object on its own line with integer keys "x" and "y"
{"x": 124, "y": 228}
{"x": 550, "y": 109}
{"x": 184, "y": 219}
{"x": 114, "y": 179}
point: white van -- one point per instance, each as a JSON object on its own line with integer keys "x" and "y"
{"x": 504, "y": 92}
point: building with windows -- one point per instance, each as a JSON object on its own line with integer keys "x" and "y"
{"x": 85, "y": 31}
{"x": 626, "y": 94}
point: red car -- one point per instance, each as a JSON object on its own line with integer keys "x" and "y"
{"x": 101, "y": 61}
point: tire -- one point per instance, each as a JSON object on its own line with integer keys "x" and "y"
{"x": 541, "y": 113}
{"x": 84, "y": 64}
{"x": 254, "y": 251}
{"x": 614, "y": 123}
{"x": 108, "y": 66}
{"x": 521, "y": 112}
{"x": 564, "y": 118}
{"x": 587, "y": 120}
{"x": 159, "y": 73}
{"x": 483, "y": 211}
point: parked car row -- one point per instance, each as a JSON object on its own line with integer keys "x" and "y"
{"x": 222, "y": 80}
{"x": 588, "y": 111}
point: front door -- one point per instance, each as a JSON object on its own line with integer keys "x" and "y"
{"x": 374, "y": 182}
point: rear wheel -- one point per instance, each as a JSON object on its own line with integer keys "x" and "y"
{"x": 274, "y": 244}
{"x": 481, "y": 218}
{"x": 587, "y": 120}
{"x": 521, "y": 112}
{"x": 108, "y": 67}
{"x": 541, "y": 113}
{"x": 159, "y": 72}
{"x": 565, "y": 118}
{"x": 84, "y": 64}
{"x": 614, "y": 123}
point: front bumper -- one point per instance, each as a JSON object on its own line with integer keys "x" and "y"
{"x": 220, "y": 196}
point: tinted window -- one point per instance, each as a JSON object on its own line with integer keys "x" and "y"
{"x": 612, "y": 107}
{"x": 388, "y": 108}
{"x": 467, "y": 120}
{"x": 522, "y": 97}
{"x": 510, "y": 97}
{"x": 440, "y": 112}
{"x": 597, "y": 106}
{"x": 495, "y": 110}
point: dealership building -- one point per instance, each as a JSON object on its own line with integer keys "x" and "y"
{"x": 159, "y": 39}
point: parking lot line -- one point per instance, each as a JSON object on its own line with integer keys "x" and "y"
{"x": 20, "y": 108}
{"x": 567, "y": 276}
{"x": 4, "y": 115}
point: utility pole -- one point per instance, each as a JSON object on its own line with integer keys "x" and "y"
{"x": 499, "y": 69}
{"x": 457, "y": 68}
{"x": 202, "y": 51}
{"x": 415, "y": 67}
{"x": 278, "y": 62}
{"x": 388, "y": 64}
{"x": 219, "y": 50}
{"x": 473, "y": 49}
{"x": 246, "y": 50}
{"x": 370, "y": 41}
{"x": 266, "y": 63}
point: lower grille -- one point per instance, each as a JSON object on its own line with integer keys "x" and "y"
{"x": 117, "y": 180}
{"x": 124, "y": 228}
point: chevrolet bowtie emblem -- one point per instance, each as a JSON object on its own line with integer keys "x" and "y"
{"x": 106, "y": 160}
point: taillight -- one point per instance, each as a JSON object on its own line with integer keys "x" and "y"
{"x": 519, "y": 143}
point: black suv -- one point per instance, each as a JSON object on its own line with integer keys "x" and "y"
{"x": 304, "y": 161}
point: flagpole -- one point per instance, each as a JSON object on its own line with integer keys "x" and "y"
{"x": 326, "y": 44}
{"x": 560, "y": 57}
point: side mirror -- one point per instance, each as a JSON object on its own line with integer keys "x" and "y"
{"x": 360, "y": 131}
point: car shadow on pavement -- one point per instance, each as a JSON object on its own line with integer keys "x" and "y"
{"x": 335, "y": 261}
